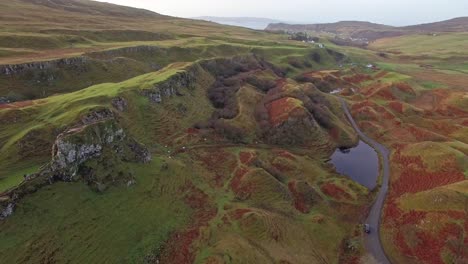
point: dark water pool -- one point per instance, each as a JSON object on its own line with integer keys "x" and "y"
{"x": 360, "y": 163}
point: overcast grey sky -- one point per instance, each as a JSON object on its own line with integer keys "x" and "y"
{"x": 392, "y": 12}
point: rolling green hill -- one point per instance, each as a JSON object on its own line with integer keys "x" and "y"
{"x": 371, "y": 31}
{"x": 128, "y": 136}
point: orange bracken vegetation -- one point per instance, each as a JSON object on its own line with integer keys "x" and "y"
{"x": 280, "y": 110}
{"x": 179, "y": 247}
{"x": 299, "y": 199}
{"x": 336, "y": 192}
{"x": 357, "y": 78}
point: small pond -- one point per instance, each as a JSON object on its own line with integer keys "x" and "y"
{"x": 360, "y": 163}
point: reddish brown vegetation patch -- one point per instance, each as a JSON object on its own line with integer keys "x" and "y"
{"x": 284, "y": 154}
{"x": 221, "y": 163}
{"x": 421, "y": 134}
{"x": 283, "y": 165}
{"x": 429, "y": 246}
{"x": 299, "y": 199}
{"x": 380, "y": 74}
{"x": 396, "y": 106}
{"x": 457, "y": 215}
{"x": 239, "y": 213}
{"x": 179, "y": 247}
{"x": 236, "y": 180}
{"x": 17, "y": 104}
{"x": 280, "y": 110}
{"x": 192, "y": 131}
{"x": 357, "y": 78}
{"x": 246, "y": 157}
{"x": 414, "y": 176}
{"x": 335, "y": 133}
{"x": 425, "y": 245}
{"x": 443, "y": 127}
{"x": 336, "y": 192}
{"x": 386, "y": 93}
{"x": 404, "y": 87}
{"x": 280, "y": 83}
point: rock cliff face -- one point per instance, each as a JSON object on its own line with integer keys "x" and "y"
{"x": 7, "y": 211}
{"x": 14, "y": 69}
{"x": 78, "y": 145}
{"x": 172, "y": 86}
{"x": 96, "y": 144}
{"x": 120, "y": 103}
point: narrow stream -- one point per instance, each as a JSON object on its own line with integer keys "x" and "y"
{"x": 360, "y": 163}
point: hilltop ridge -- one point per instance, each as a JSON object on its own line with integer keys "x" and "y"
{"x": 373, "y": 31}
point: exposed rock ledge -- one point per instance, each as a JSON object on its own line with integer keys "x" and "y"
{"x": 20, "y": 68}
{"x": 98, "y": 137}
{"x": 172, "y": 86}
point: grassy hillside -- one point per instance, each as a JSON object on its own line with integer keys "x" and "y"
{"x": 237, "y": 176}
{"x": 415, "y": 103}
{"x": 178, "y": 141}
{"x": 354, "y": 29}
{"x": 84, "y": 26}
{"x": 371, "y": 31}
{"x": 130, "y": 136}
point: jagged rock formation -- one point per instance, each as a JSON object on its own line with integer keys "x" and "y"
{"x": 7, "y": 211}
{"x": 172, "y": 86}
{"x": 13, "y": 69}
{"x": 120, "y": 103}
{"x": 97, "y": 136}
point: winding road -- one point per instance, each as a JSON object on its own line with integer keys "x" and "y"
{"x": 372, "y": 241}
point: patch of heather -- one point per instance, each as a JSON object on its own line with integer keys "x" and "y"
{"x": 236, "y": 181}
{"x": 285, "y": 154}
{"x": 396, "y": 106}
{"x": 404, "y": 87}
{"x": 246, "y": 158}
{"x": 357, "y": 78}
{"x": 334, "y": 191}
{"x": 179, "y": 247}
{"x": 386, "y": 93}
{"x": 193, "y": 131}
{"x": 221, "y": 163}
{"x": 239, "y": 213}
{"x": 280, "y": 110}
{"x": 299, "y": 199}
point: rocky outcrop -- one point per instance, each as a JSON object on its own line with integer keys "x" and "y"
{"x": 171, "y": 87}
{"x": 81, "y": 144}
{"x": 7, "y": 211}
{"x": 4, "y": 100}
{"x": 97, "y": 116}
{"x": 13, "y": 69}
{"x": 95, "y": 150}
{"x": 119, "y": 103}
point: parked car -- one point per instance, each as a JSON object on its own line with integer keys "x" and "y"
{"x": 367, "y": 228}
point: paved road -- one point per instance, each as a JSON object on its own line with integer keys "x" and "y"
{"x": 372, "y": 240}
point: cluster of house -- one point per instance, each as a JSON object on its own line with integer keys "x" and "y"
{"x": 320, "y": 45}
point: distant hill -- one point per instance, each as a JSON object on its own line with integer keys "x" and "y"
{"x": 372, "y": 31}
{"x": 459, "y": 24}
{"x": 248, "y": 22}
{"x": 38, "y": 16}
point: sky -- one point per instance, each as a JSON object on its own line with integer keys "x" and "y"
{"x": 390, "y": 12}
